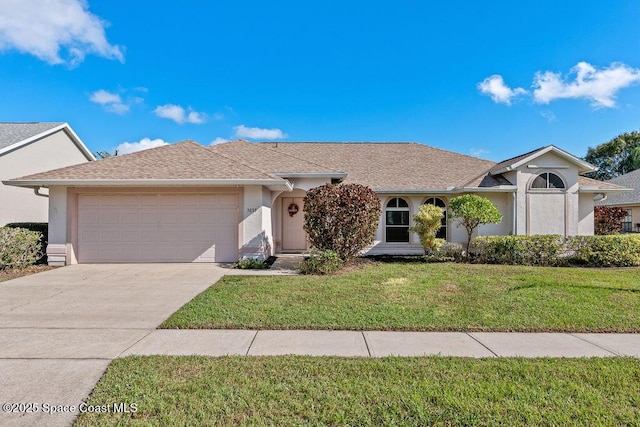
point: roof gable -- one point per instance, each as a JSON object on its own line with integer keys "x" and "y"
{"x": 515, "y": 162}
{"x": 14, "y": 135}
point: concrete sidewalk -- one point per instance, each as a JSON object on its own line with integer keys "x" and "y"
{"x": 383, "y": 343}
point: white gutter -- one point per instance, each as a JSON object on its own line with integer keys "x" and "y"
{"x": 310, "y": 174}
{"x": 593, "y": 189}
{"x": 451, "y": 190}
{"x": 279, "y": 183}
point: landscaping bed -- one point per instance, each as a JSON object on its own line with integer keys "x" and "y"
{"x": 424, "y": 297}
{"x": 14, "y": 273}
{"x": 297, "y": 390}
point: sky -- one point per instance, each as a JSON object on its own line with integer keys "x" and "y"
{"x": 489, "y": 79}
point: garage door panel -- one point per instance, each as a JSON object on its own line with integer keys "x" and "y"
{"x": 157, "y": 228}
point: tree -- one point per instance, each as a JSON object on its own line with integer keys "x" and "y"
{"x": 106, "y": 154}
{"x": 342, "y": 218}
{"x": 471, "y": 211}
{"x": 427, "y": 222}
{"x": 616, "y": 157}
{"x": 608, "y": 219}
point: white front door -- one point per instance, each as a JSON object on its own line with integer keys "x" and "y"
{"x": 293, "y": 236}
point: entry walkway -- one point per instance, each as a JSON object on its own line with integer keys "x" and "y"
{"x": 383, "y": 343}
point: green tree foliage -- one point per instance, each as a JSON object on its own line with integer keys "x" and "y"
{"x": 616, "y": 157}
{"x": 106, "y": 154}
{"x": 471, "y": 211}
{"x": 341, "y": 218}
{"x": 427, "y": 222}
{"x": 608, "y": 219}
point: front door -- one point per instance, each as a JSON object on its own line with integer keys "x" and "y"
{"x": 293, "y": 236}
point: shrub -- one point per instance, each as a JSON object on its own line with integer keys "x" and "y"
{"x": 472, "y": 210}
{"x": 608, "y": 219}
{"x": 19, "y": 247}
{"x": 451, "y": 251}
{"x": 520, "y": 250}
{"x": 622, "y": 250}
{"x": 41, "y": 227}
{"x": 251, "y": 264}
{"x": 341, "y": 218}
{"x": 427, "y": 222}
{"x": 321, "y": 262}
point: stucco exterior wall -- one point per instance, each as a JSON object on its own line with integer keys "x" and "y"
{"x": 537, "y": 214}
{"x": 51, "y": 152}
{"x": 585, "y": 215}
{"x": 256, "y": 239}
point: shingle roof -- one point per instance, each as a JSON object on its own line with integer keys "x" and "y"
{"x": 263, "y": 158}
{"x": 12, "y": 133}
{"x": 390, "y": 166}
{"x": 508, "y": 162}
{"x": 184, "y": 160}
{"x": 628, "y": 180}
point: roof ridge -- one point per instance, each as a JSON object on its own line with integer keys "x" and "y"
{"x": 265, "y": 147}
{"x": 212, "y": 153}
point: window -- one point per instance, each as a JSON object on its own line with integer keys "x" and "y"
{"x": 436, "y": 201}
{"x": 547, "y": 181}
{"x": 627, "y": 226}
{"x": 397, "y": 221}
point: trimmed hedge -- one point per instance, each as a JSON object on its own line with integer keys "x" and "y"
{"x": 40, "y": 227}
{"x": 619, "y": 250}
{"x": 19, "y": 247}
{"x": 519, "y": 250}
{"x": 553, "y": 250}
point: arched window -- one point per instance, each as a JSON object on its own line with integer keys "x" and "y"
{"x": 436, "y": 201}
{"x": 397, "y": 220}
{"x": 547, "y": 181}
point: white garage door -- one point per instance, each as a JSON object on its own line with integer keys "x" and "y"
{"x": 157, "y": 228}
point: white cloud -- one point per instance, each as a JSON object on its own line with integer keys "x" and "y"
{"x": 243, "y": 131}
{"x": 547, "y": 114}
{"x": 45, "y": 27}
{"x": 477, "y": 152}
{"x": 110, "y": 101}
{"x": 219, "y": 140}
{"x": 495, "y": 87}
{"x": 143, "y": 144}
{"x": 598, "y": 86}
{"x": 179, "y": 114}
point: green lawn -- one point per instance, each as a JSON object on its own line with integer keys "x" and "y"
{"x": 418, "y": 296}
{"x": 391, "y": 391}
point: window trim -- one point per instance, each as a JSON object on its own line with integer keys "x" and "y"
{"x": 397, "y": 209}
{"x": 531, "y": 189}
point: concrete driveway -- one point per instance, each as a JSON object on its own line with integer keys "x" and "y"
{"x": 60, "y": 329}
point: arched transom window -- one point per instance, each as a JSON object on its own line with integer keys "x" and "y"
{"x": 397, "y": 220}
{"x": 547, "y": 181}
{"x": 436, "y": 201}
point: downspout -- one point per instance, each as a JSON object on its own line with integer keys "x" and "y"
{"x": 36, "y": 191}
{"x": 514, "y": 196}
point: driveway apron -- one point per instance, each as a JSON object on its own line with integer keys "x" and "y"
{"x": 60, "y": 329}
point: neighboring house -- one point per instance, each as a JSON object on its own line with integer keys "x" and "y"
{"x": 189, "y": 203}
{"x": 28, "y": 148}
{"x": 629, "y": 201}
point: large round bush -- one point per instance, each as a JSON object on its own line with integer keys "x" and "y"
{"x": 342, "y": 218}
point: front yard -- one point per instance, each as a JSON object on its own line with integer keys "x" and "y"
{"x": 392, "y": 391}
{"x": 424, "y": 297}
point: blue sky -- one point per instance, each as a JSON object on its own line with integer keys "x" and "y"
{"x": 493, "y": 79}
